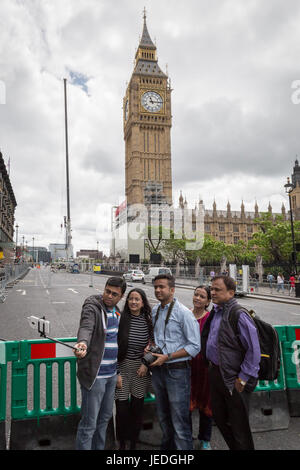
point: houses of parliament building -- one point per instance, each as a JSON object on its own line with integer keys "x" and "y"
{"x": 147, "y": 123}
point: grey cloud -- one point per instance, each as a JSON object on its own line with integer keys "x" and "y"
{"x": 103, "y": 162}
{"x": 231, "y": 65}
{"x": 223, "y": 140}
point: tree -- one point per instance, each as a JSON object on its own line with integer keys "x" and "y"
{"x": 274, "y": 240}
{"x": 239, "y": 253}
{"x": 174, "y": 248}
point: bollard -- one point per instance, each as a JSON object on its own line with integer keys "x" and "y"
{"x": 92, "y": 279}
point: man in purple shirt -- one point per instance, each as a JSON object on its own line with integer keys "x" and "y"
{"x": 233, "y": 365}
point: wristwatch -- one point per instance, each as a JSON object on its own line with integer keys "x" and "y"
{"x": 169, "y": 356}
{"x": 242, "y": 382}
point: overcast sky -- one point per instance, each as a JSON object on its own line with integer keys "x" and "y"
{"x": 235, "y": 133}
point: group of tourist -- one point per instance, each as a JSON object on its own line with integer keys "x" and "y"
{"x": 280, "y": 281}
{"x": 190, "y": 357}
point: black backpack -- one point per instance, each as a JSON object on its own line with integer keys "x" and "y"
{"x": 268, "y": 340}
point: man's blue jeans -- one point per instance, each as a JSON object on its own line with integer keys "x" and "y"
{"x": 96, "y": 411}
{"x": 172, "y": 388}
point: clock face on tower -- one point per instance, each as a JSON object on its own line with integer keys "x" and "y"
{"x": 152, "y": 101}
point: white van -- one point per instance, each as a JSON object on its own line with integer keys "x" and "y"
{"x": 153, "y": 272}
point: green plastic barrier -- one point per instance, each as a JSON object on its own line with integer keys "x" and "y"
{"x": 9, "y": 351}
{"x": 28, "y": 358}
{"x": 3, "y": 381}
{"x": 291, "y": 356}
{"x": 35, "y": 355}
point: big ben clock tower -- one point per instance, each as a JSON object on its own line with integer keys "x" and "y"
{"x": 147, "y": 127}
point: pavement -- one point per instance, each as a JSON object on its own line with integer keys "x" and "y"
{"x": 262, "y": 293}
{"x": 281, "y": 439}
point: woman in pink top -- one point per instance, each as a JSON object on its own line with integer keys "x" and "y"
{"x": 200, "y": 394}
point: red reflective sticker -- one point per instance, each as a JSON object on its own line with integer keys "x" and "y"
{"x": 43, "y": 351}
{"x": 297, "y": 333}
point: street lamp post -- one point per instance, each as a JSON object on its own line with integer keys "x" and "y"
{"x": 33, "y": 249}
{"x": 289, "y": 188}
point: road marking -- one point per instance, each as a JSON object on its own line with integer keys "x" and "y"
{"x": 22, "y": 290}
{"x": 58, "y": 302}
{"x": 73, "y": 290}
{"x": 42, "y": 282}
{"x": 297, "y": 314}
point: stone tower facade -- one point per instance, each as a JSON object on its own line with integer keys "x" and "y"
{"x": 147, "y": 127}
{"x": 295, "y": 194}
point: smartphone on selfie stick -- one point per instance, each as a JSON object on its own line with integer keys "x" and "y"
{"x": 43, "y": 327}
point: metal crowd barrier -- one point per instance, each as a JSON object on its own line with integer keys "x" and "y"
{"x": 9, "y": 275}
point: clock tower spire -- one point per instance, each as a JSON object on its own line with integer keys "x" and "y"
{"x": 147, "y": 127}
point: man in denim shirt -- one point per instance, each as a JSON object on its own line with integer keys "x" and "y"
{"x": 179, "y": 340}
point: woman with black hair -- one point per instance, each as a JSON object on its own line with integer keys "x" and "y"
{"x": 135, "y": 334}
{"x": 200, "y": 394}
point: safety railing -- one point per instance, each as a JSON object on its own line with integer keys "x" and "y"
{"x": 9, "y": 274}
{"x": 43, "y": 380}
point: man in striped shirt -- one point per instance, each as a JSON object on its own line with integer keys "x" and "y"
{"x": 97, "y": 363}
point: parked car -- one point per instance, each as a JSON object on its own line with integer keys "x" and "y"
{"x": 239, "y": 290}
{"x": 153, "y": 272}
{"x": 134, "y": 275}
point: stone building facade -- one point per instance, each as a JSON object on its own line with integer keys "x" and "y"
{"x": 8, "y": 205}
{"x": 231, "y": 226}
{"x": 295, "y": 194}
